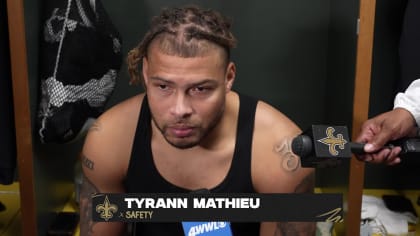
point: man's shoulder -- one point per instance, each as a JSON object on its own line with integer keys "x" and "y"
{"x": 274, "y": 167}
{"x": 111, "y": 136}
{"x": 267, "y": 117}
{"x": 124, "y": 109}
{"x": 272, "y": 128}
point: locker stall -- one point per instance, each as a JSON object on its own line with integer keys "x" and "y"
{"x": 309, "y": 59}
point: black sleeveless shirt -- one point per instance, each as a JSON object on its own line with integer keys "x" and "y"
{"x": 143, "y": 177}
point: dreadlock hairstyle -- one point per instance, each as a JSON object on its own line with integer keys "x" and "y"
{"x": 186, "y": 32}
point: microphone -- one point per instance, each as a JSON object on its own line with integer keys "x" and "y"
{"x": 326, "y": 146}
{"x": 322, "y": 146}
{"x": 410, "y": 147}
{"x": 202, "y": 228}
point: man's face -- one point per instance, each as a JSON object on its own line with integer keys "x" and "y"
{"x": 186, "y": 95}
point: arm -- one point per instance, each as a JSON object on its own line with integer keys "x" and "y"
{"x": 299, "y": 228}
{"x": 397, "y": 123}
{"x": 275, "y": 169}
{"x": 98, "y": 176}
{"x": 87, "y": 226}
{"x": 105, "y": 157}
{"x": 410, "y": 100}
{"x": 306, "y": 184}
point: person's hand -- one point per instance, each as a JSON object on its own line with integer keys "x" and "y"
{"x": 381, "y": 129}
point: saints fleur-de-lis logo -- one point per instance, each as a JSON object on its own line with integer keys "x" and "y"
{"x": 332, "y": 141}
{"x": 106, "y": 209}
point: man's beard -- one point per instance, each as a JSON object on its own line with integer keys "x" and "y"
{"x": 184, "y": 143}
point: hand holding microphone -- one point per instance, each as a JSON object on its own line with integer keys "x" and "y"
{"x": 382, "y": 129}
{"x": 323, "y": 146}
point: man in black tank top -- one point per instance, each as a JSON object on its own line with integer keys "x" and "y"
{"x": 189, "y": 130}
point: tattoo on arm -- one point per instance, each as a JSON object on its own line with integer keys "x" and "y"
{"x": 86, "y": 223}
{"x": 289, "y": 161}
{"x": 87, "y": 162}
{"x": 307, "y": 185}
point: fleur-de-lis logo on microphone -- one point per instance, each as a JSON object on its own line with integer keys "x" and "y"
{"x": 106, "y": 209}
{"x": 332, "y": 141}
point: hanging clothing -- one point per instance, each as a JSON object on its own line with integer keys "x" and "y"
{"x": 79, "y": 61}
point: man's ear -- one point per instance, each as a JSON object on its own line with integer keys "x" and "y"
{"x": 230, "y": 76}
